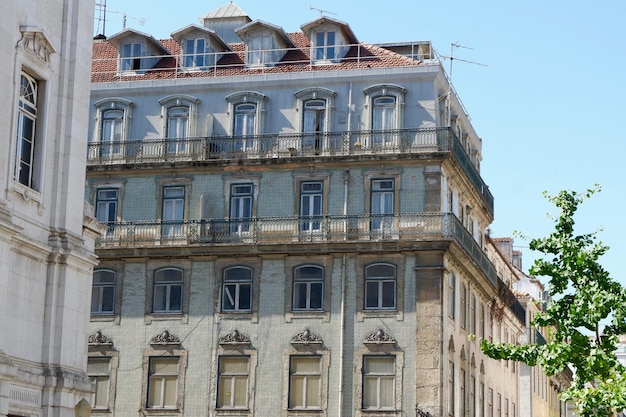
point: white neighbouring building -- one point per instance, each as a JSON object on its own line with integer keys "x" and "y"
{"x": 295, "y": 227}
{"x": 46, "y": 240}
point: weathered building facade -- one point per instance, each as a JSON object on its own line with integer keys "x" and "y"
{"x": 295, "y": 227}
{"x": 46, "y": 239}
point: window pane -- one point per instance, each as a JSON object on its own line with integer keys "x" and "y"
{"x": 160, "y": 298}
{"x": 176, "y": 298}
{"x": 389, "y": 294}
{"x": 234, "y": 365}
{"x": 380, "y": 365}
{"x": 313, "y": 391}
{"x": 371, "y": 294}
{"x": 317, "y": 291}
{"x": 165, "y": 366}
{"x": 300, "y": 295}
{"x": 296, "y": 396}
{"x": 95, "y": 299}
{"x": 228, "y": 297}
{"x": 245, "y": 296}
{"x": 380, "y": 271}
{"x": 370, "y": 393}
{"x": 170, "y": 392}
{"x": 102, "y": 392}
{"x": 154, "y": 396}
{"x": 386, "y": 392}
{"x": 98, "y": 366}
{"x": 305, "y": 365}
{"x": 108, "y": 295}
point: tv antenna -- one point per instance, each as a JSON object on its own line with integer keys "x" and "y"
{"x": 452, "y": 58}
{"x": 322, "y": 11}
{"x": 102, "y": 17}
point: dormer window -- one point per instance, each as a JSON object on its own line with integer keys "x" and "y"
{"x": 196, "y": 53}
{"x": 325, "y": 46}
{"x": 260, "y": 49}
{"x": 131, "y": 56}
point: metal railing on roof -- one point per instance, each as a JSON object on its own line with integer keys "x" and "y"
{"x": 289, "y": 147}
{"x": 223, "y": 62}
{"x": 403, "y": 227}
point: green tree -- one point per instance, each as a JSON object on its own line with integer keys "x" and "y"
{"x": 584, "y": 318}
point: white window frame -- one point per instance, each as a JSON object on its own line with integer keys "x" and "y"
{"x": 28, "y": 152}
{"x": 167, "y": 285}
{"x": 133, "y": 60}
{"x": 379, "y": 378}
{"x": 120, "y": 147}
{"x": 325, "y": 49}
{"x": 372, "y": 95}
{"x": 260, "y": 48}
{"x": 308, "y": 380}
{"x": 451, "y": 295}
{"x": 177, "y": 144}
{"x": 236, "y": 283}
{"x": 161, "y": 379}
{"x": 193, "y": 53}
{"x": 247, "y": 97}
{"x": 227, "y": 382}
{"x": 98, "y": 291}
{"x": 381, "y": 286}
{"x": 101, "y": 379}
{"x": 305, "y": 283}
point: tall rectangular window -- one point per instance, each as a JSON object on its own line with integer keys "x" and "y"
{"x": 380, "y": 287}
{"x": 314, "y": 124}
{"x": 177, "y": 129}
{"x": 26, "y": 164}
{"x": 99, "y": 371}
{"x": 311, "y": 197}
{"x": 490, "y": 403}
{"x": 106, "y": 205}
{"x": 305, "y": 382}
{"x": 308, "y": 288}
{"x": 499, "y": 405}
{"x": 103, "y": 292}
{"x": 472, "y": 314}
{"x": 482, "y": 320}
{"x": 173, "y": 211}
{"x": 463, "y": 306}
{"x": 325, "y": 46}
{"x": 195, "y": 53}
{"x": 463, "y": 393}
{"x": 382, "y": 204}
{"x": 481, "y": 400}
{"x": 451, "y": 389}
{"x": 131, "y": 56}
{"x": 451, "y": 295}
{"x": 233, "y": 381}
{"x": 111, "y": 133}
{"x": 163, "y": 382}
{"x": 379, "y": 374}
{"x": 383, "y": 120}
{"x": 240, "y": 208}
{"x": 472, "y": 387}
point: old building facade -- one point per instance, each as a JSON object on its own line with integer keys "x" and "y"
{"x": 46, "y": 241}
{"x": 295, "y": 226}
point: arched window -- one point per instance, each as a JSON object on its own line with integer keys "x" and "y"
{"x": 385, "y": 103}
{"x": 308, "y": 288}
{"x": 380, "y": 286}
{"x": 168, "y": 291}
{"x": 237, "y": 290}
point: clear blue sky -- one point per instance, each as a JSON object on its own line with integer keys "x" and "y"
{"x": 548, "y": 104}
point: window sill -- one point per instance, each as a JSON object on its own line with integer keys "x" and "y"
{"x": 363, "y": 314}
{"x": 307, "y": 314}
{"x": 150, "y": 317}
{"x": 115, "y": 318}
{"x": 241, "y": 315}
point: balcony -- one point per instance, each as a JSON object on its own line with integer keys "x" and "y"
{"x": 289, "y": 147}
{"x": 406, "y": 227}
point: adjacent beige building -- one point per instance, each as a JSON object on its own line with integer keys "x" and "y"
{"x": 46, "y": 239}
{"x": 295, "y": 227}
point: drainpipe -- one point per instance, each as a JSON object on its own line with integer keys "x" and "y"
{"x": 346, "y": 179}
{"x": 341, "y": 335}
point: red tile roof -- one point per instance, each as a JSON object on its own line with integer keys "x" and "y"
{"x": 105, "y": 58}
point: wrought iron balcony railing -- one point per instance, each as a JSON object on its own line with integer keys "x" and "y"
{"x": 288, "y": 146}
{"x": 288, "y": 230}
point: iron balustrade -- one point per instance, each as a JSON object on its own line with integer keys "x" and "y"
{"x": 403, "y": 227}
{"x": 289, "y": 146}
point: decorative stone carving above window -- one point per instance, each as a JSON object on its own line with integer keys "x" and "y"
{"x": 234, "y": 338}
{"x": 98, "y": 339}
{"x": 165, "y": 338}
{"x": 451, "y": 345}
{"x": 35, "y": 41}
{"x": 306, "y": 338}
{"x": 379, "y": 337}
